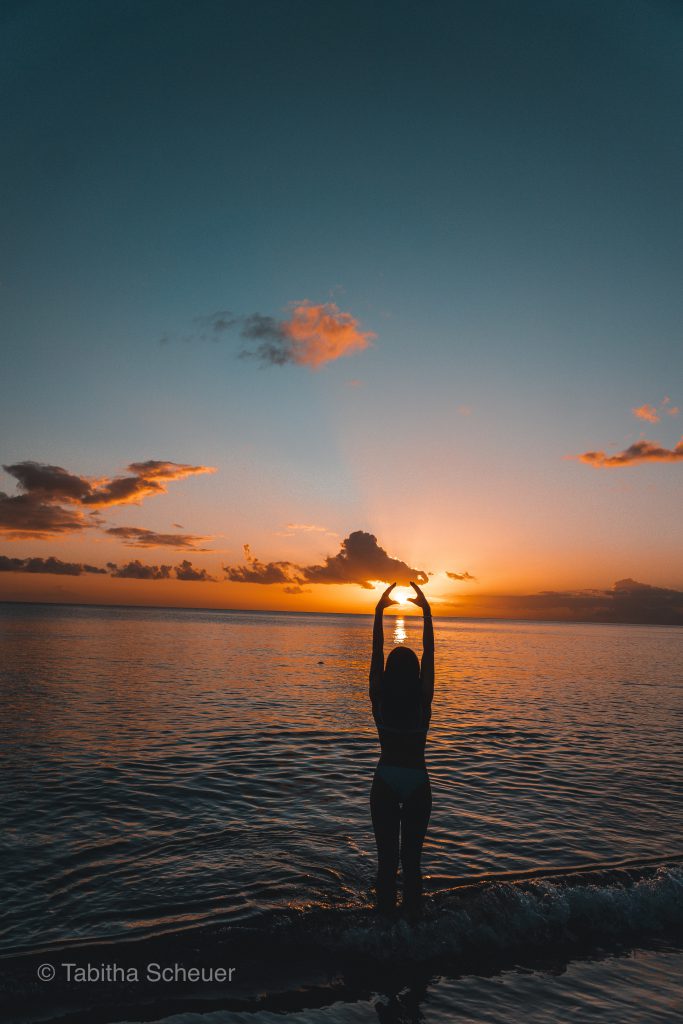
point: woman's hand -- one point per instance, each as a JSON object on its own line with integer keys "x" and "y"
{"x": 385, "y": 600}
{"x": 420, "y": 600}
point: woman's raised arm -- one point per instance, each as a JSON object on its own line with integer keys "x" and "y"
{"x": 377, "y": 662}
{"x": 427, "y": 666}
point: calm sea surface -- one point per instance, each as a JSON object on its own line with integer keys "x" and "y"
{"x": 184, "y": 784}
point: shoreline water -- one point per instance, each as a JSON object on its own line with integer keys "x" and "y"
{"x": 298, "y": 959}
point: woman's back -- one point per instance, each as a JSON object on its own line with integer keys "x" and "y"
{"x": 403, "y": 746}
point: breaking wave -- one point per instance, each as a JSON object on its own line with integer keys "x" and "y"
{"x": 283, "y": 954}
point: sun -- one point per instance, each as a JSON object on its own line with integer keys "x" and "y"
{"x": 401, "y": 594}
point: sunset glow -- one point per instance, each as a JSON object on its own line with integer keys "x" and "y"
{"x": 276, "y": 355}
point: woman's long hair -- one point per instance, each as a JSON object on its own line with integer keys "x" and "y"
{"x": 400, "y": 691}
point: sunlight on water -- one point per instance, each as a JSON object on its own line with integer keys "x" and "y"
{"x": 400, "y": 635}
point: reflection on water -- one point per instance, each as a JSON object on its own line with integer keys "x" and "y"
{"x": 400, "y": 635}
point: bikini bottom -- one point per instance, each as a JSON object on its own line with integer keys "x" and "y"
{"x": 403, "y": 781}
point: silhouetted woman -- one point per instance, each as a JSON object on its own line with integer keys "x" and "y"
{"x": 401, "y": 798}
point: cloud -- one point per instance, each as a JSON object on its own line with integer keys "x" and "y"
{"x": 147, "y": 478}
{"x": 295, "y": 589}
{"x": 295, "y": 528}
{"x": 653, "y": 413}
{"x": 213, "y": 326}
{"x": 641, "y": 602}
{"x": 641, "y": 451}
{"x": 311, "y": 335}
{"x": 137, "y": 571}
{"x": 460, "y": 576}
{"x": 307, "y": 528}
{"x": 360, "y": 560}
{"x": 185, "y": 571}
{"x": 47, "y": 565}
{"x": 647, "y": 412}
{"x": 25, "y": 516}
{"x": 39, "y": 511}
{"x": 322, "y": 333}
{"x": 138, "y": 537}
{"x": 263, "y": 572}
{"x": 627, "y": 601}
{"x": 51, "y": 482}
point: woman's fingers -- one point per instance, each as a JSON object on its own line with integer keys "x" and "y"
{"x": 420, "y": 600}
{"x": 385, "y": 600}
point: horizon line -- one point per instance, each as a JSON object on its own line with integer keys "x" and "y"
{"x": 276, "y": 611}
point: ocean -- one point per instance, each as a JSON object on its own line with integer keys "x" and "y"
{"x": 188, "y": 789}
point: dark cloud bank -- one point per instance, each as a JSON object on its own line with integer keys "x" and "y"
{"x": 135, "y": 570}
{"x": 50, "y": 565}
{"x": 628, "y": 601}
{"x": 360, "y": 560}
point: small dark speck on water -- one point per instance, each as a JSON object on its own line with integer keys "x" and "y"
{"x": 321, "y": 662}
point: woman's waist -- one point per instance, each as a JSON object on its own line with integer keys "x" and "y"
{"x": 411, "y": 759}
{"x": 402, "y": 750}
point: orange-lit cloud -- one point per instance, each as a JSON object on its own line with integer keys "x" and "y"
{"x": 311, "y": 335}
{"x": 647, "y": 412}
{"x": 653, "y": 413}
{"x": 138, "y": 537}
{"x": 50, "y": 565}
{"x": 641, "y": 451}
{"x": 360, "y": 560}
{"x": 460, "y": 576}
{"x": 147, "y": 478}
{"x": 318, "y": 334}
{"x": 39, "y": 511}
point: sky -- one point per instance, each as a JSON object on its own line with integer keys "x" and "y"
{"x": 299, "y": 298}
